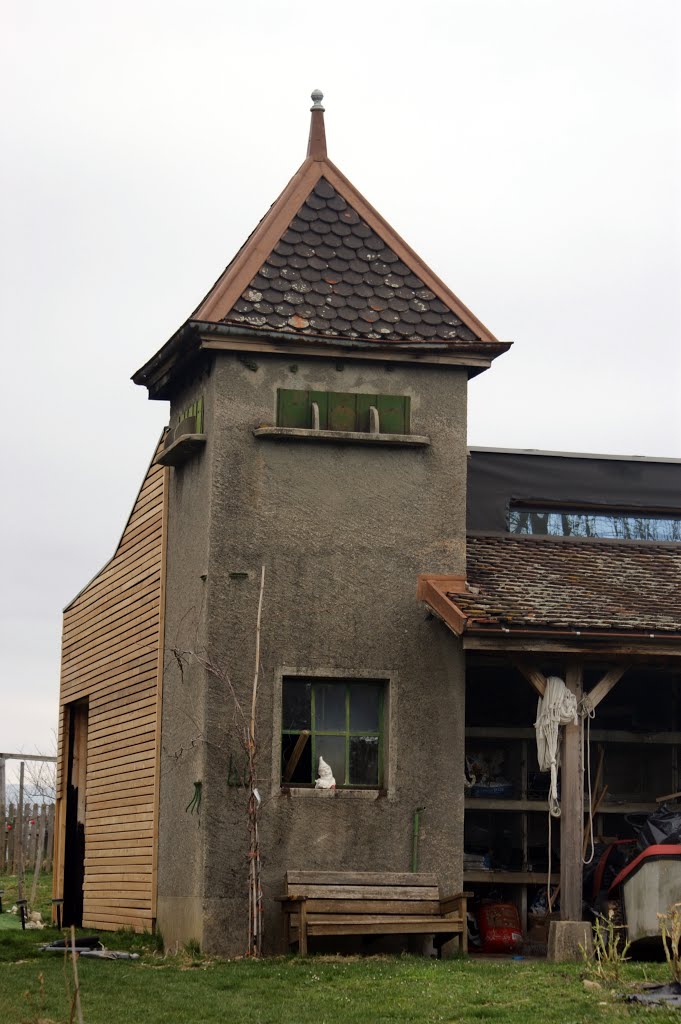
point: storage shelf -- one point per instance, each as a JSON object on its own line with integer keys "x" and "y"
{"x": 473, "y": 803}
{"x": 509, "y": 877}
{"x": 597, "y": 735}
{"x": 482, "y": 803}
{"x": 626, "y": 808}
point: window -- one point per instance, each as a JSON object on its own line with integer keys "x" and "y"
{"x": 616, "y": 525}
{"x": 339, "y": 720}
{"x": 337, "y": 410}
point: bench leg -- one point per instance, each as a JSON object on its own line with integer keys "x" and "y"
{"x": 463, "y": 941}
{"x": 302, "y": 928}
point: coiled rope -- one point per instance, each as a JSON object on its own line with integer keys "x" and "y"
{"x": 558, "y": 706}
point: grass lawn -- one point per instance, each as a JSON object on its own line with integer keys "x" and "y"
{"x": 43, "y": 893}
{"x": 35, "y": 987}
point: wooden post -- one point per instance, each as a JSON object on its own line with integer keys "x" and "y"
{"x": 11, "y": 840}
{"x": 40, "y": 829}
{"x": 572, "y": 809}
{"x": 49, "y": 843}
{"x": 3, "y": 789}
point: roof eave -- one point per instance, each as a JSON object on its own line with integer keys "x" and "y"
{"x": 437, "y": 593}
{"x": 196, "y": 336}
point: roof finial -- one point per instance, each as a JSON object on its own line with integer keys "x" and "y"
{"x": 316, "y": 146}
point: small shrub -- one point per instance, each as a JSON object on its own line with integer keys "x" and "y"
{"x": 610, "y": 949}
{"x": 670, "y": 926}
{"x": 192, "y": 949}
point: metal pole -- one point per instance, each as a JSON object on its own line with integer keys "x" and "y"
{"x": 3, "y": 790}
{"x": 19, "y": 839}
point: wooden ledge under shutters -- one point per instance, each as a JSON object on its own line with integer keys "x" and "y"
{"x": 341, "y": 436}
{"x": 370, "y": 903}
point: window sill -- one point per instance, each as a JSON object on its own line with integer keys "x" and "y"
{"x": 341, "y": 436}
{"x": 331, "y": 794}
{"x": 181, "y": 450}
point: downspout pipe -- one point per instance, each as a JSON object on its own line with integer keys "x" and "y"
{"x": 416, "y": 824}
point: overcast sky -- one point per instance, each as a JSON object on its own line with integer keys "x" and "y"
{"x": 527, "y": 149}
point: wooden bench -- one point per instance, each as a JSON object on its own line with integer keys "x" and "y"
{"x": 370, "y": 903}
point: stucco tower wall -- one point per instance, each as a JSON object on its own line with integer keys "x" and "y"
{"x": 343, "y": 531}
{"x": 183, "y": 741}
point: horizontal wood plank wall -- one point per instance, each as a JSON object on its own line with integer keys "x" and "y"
{"x": 111, "y": 655}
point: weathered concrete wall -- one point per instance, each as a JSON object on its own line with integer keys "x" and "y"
{"x": 183, "y": 746}
{"x": 343, "y": 532}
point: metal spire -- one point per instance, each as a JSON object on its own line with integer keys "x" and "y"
{"x": 316, "y": 146}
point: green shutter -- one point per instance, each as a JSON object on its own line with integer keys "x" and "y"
{"x": 393, "y": 414}
{"x": 342, "y": 411}
{"x": 293, "y": 408}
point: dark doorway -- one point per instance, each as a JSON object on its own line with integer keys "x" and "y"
{"x": 74, "y": 844}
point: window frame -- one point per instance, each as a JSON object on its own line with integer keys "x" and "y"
{"x": 619, "y": 518}
{"x": 389, "y": 679}
{"x": 347, "y": 734}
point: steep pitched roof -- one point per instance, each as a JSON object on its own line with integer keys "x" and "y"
{"x": 563, "y": 584}
{"x": 324, "y": 266}
{"x": 332, "y": 274}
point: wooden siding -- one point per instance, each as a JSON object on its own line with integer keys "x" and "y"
{"x": 112, "y": 655}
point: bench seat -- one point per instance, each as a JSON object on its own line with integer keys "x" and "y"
{"x": 370, "y": 903}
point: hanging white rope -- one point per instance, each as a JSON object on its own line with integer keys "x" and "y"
{"x": 587, "y": 711}
{"x": 557, "y": 707}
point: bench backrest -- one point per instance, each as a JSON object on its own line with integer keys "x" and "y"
{"x": 407, "y": 887}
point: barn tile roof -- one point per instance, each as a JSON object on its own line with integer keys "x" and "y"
{"x": 566, "y": 584}
{"x": 332, "y": 274}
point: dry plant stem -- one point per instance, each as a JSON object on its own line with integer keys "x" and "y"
{"x": 245, "y": 730}
{"x": 257, "y": 655}
{"x": 255, "y": 916}
{"x": 670, "y": 926}
{"x": 76, "y": 995}
{"x": 608, "y": 957}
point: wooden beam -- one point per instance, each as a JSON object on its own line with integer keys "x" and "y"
{"x": 296, "y": 755}
{"x": 26, "y": 757}
{"x": 605, "y": 685}
{"x": 586, "y": 645}
{"x": 535, "y": 678}
{"x": 572, "y": 808}
{"x": 433, "y": 590}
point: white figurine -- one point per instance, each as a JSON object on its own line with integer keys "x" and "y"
{"x": 326, "y": 779}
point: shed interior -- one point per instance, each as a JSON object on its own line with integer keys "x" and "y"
{"x": 630, "y": 755}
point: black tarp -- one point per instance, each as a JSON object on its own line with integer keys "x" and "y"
{"x": 497, "y": 479}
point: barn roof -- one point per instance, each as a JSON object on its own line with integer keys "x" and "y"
{"x": 566, "y": 585}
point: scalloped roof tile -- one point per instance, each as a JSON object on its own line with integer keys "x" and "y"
{"x": 332, "y": 274}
